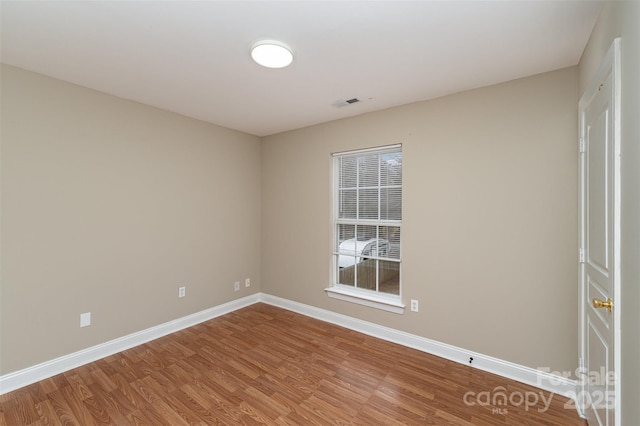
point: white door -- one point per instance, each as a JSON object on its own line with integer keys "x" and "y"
{"x": 599, "y": 115}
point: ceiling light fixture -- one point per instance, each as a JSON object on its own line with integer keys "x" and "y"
{"x": 272, "y": 54}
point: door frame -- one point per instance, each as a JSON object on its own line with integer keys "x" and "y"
{"x": 610, "y": 64}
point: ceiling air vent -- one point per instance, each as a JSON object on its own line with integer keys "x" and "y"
{"x": 342, "y": 103}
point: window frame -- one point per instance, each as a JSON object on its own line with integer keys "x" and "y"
{"x": 372, "y": 298}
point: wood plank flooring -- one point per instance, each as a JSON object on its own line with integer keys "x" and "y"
{"x": 265, "y": 365}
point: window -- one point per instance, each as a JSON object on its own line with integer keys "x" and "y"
{"x": 367, "y": 224}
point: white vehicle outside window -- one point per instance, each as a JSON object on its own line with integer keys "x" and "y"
{"x": 361, "y": 250}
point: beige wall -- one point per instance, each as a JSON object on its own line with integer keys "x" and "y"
{"x": 490, "y": 217}
{"x": 622, "y": 19}
{"x": 109, "y": 206}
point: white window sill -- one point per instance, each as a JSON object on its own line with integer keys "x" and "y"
{"x": 373, "y": 300}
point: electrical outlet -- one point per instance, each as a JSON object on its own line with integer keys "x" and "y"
{"x": 236, "y": 286}
{"x": 247, "y": 282}
{"x": 85, "y": 319}
{"x": 414, "y": 305}
{"x": 182, "y": 291}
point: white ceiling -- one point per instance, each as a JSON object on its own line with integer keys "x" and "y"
{"x": 192, "y": 57}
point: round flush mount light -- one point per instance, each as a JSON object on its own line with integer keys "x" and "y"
{"x": 271, "y": 54}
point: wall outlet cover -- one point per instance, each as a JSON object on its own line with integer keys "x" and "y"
{"x": 85, "y": 319}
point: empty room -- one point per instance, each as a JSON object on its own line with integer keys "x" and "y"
{"x": 320, "y": 212}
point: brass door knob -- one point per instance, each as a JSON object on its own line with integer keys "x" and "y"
{"x": 597, "y": 303}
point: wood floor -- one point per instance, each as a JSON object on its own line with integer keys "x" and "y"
{"x": 264, "y": 365}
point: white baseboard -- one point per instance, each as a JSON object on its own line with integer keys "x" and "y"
{"x": 530, "y": 376}
{"x": 29, "y": 375}
{"x": 527, "y": 375}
